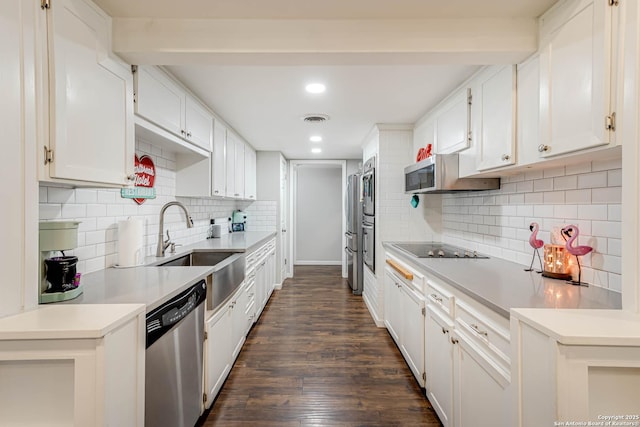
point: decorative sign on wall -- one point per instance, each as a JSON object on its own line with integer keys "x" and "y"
{"x": 143, "y": 189}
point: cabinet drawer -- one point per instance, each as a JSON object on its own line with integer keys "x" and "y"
{"x": 490, "y": 334}
{"x": 439, "y": 297}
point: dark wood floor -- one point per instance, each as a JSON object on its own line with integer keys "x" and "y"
{"x": 315, "y": 358}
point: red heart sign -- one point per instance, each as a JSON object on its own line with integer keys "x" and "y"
{"x": 145, "y": 172}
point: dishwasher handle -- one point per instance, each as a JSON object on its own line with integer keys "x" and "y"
{"x": 162, "y": 319}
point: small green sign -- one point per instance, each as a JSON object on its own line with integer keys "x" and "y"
{"x": 138, "y": 193}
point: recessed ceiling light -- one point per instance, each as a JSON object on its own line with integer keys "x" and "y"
{"x": 315, "y": 88}
{"x": 315, "y": 138}
{"x": 316, "y": 150}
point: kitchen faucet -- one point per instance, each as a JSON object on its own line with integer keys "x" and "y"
{"x": 164, "y": 244}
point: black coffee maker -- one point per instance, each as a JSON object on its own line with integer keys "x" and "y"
{"x": 59, "y": 279}
{"x": 61, "y": 273}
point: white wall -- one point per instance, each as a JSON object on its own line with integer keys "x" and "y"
{"x": 588, "y": 195}
{"x": 99, "y": 211}
{"x": 319, "y": 214}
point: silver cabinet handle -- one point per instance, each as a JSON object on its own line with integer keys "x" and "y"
{"x": 188, "y": 134}
{"x": 436, "y": 298}
{"x": 444, "y": 331}
{"x": 478, "y": 331}
{"x": 454, "y": 341}
{"x": 542, "y": 148}
{"x": 215, "y": 191}
{"x": 505, "y": 157}
{"x": 131, "y": 177}
{"x": 182, "y": 131}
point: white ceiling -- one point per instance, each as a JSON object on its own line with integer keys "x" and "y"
{"x": 261, "y": 95}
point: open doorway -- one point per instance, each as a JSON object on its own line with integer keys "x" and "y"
{"x": 317, "y": 212}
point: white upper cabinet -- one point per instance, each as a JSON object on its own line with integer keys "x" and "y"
{"x": 250, "y": 185}
{"x": 198, "y": 123}
{"x": 238, "y": 181}
{"x": 218, "y": 162}
{"x": 452, "y": 123}
{"x": 493, "y": 110}
{"x": 159, "y": 99}
{"x": 528, "y": 111}
{"x": 424, "y": 134}
{"x": 162, "y": 101}
{"x": 575, "y": 76}
{"x": 90, "y": 105}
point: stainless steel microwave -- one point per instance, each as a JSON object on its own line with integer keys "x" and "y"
{"x": 439, "y": 174}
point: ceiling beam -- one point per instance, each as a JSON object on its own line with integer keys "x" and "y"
{"x": 211, "y": 41}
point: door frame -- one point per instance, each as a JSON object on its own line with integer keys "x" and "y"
{"x": 293, "y": 182}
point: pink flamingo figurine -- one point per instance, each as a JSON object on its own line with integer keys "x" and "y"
{"x": 575, "y": 250}
{"x": 535, "y": 244}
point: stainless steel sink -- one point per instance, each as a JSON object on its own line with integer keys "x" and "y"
{"x": 199, "y": 259}
{"x": 226, "y": 277}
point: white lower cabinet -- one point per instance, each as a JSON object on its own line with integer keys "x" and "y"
{"x": 226, "y": 331}
{"x": 467, "y": 360}
{"x": 404, "y": 311}
{"x": 438, "y": 353}
{"x": 218, "y": 352}
{"x": 481, "y": 391}
{"x": 89, "y": 371}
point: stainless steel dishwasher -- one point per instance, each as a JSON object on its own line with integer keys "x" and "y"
{"x": 173, "y": 377}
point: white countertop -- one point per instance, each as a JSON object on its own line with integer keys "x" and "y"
{"x": 232, "y": 242}
{"x": 67, "y": 322}
{"x": 503, "y": 285}
{"x": 584, "y": 327}
{"x": 152, "y": 285}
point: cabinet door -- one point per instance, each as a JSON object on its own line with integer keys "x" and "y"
{"x": 239, "y": 169}
{"x": 249, "y": 173}
{"x": 239, "y": 321}
{"x": 91, "y": 98}
{"x": 528, "y": 111}
{"x": 230, "y": 161}
{"x": 438, "y": 353}
{"x": 452, "y": 124}
{"x": 198, "y": 123}
{"x": 481, "y": 394}
{"x": 218, "y": 352}
{"x": 160, "y": 100}
{"x": 575, "y": 76}
{"x": 218, "y": 160}
{"x": 424, "y": 134}
{"x": 392, "y": 306}
{"x": 412, "y": 337}
{"x": 260, "y": 288}
{"x": 493, "y": 116}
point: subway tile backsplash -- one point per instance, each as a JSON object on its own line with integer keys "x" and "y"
{"x": 99, "y": 211}
{"x": 587, "y": 195}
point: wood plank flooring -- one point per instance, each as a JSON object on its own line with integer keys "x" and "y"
{"x": 315, "y": 358}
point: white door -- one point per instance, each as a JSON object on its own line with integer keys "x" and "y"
{"x": 575, "y": 80}
{"x": 198, "y": 123}
{"x": 239, "y": 169}
{"x": 283, "y": 240}
{"x": 249, "y": 173}
{"x": 160, "y": 100}
{"x": 413, "y": 331}
{"x": 481, "y": 394}
{"x": 230, "y": 162}
{"x": 392, "y": 306}
{"x": 494, "y": 117}
{"x": 91, "y": 98}
{"x": 218, "y": 352}
{"x": 438, "y": 354}
{"x": 238, "y": 320}
{"x": 218, "y": 160}
{"x": 452, "y": 124}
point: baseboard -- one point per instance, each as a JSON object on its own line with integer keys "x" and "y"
{"x": 318, "y": 263}
{"x": 379, "y": 322}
